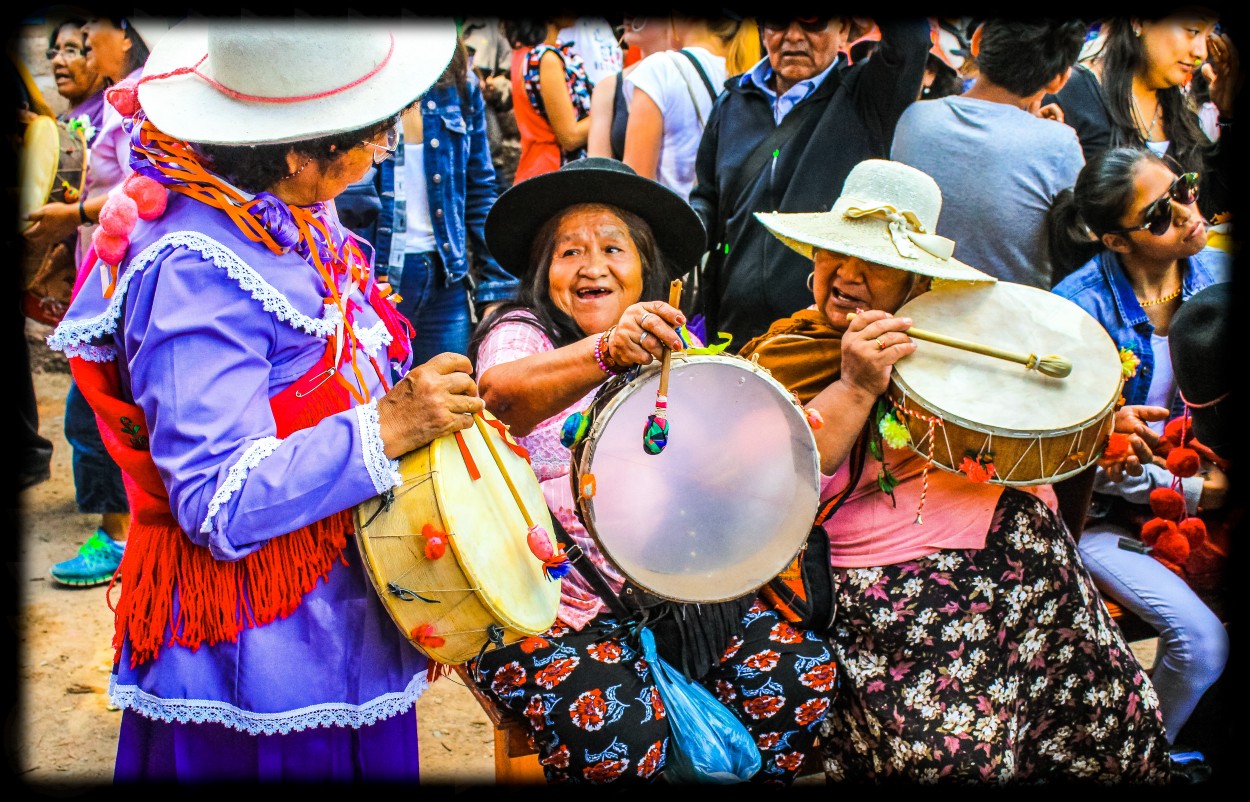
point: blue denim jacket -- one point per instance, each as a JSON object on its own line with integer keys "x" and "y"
{"x": 1101, "y": 288}
{"x": 460, "y": 182}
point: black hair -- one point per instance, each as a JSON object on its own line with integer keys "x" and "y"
{"x": 945, "y": 80}
{"x": 139, "y": 51}
{"x": 1122, "y": 54}
{"x": 72, "y": 19}
{"x": 1022, "y": 56}
{"x": 1079, "y": 216}
{"x": 525, "y": 32}
{"x": 535, "y": 295}
{"x": 256, "y": 168}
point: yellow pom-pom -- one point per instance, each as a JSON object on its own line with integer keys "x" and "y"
{"x": 1128, "y": 362}
{"x": 893, "y": 433}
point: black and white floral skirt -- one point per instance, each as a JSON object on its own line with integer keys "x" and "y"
{"x": 996, "y": 665}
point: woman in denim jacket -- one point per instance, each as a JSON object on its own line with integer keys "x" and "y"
{"x": 1151, "y": 257}
{"x": 428, "y": 244}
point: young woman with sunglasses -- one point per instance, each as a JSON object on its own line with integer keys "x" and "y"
{"x": 1151, "y": 257}
{"x": 1132, "y": 89}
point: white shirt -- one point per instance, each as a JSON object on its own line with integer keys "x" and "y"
{"x": 592, "y": 38}
{"x": 671, "y": 81}
{"x": 419, "y": 237}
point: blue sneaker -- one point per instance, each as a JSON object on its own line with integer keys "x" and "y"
{"x": 95, "y": 564}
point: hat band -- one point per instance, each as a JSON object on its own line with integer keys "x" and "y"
{"x": 231, "y": 93}
{"x": 906, "y": 230}
{"x": 1210, "y": 403}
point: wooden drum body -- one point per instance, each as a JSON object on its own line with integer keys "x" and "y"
{"x": 729, "y": 501}
{"x": 487, "y": 587}
{"x": 1033, "y": 428}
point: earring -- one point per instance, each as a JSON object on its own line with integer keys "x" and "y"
{"x": 297, "y": 172}
{"x": 1137, "y": 32}
{"x": 810, "y": 277}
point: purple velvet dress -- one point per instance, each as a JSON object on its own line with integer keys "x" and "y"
{"x": 205, "y": 327}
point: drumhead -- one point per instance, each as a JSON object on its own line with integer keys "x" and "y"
{"x": 729, "y": 501}
{"x": 488, "y": 531}
{"x": 997, "y": 395}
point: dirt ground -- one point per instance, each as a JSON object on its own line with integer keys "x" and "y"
{"x": 61, "y": 736}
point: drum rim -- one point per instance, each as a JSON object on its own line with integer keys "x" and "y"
{"x": 583, "y": 454}
{"x": 1017, "y": 434}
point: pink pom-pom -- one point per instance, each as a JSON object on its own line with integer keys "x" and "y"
{"x": 540, "y": 542}
{"x": 119, "y": 215}
{"x": 109, "y": 247}
{"x": 149, "y": 195}
{"x": 124, "y": 96}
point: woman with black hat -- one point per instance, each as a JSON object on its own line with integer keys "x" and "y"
{"x": 596, "y": 247}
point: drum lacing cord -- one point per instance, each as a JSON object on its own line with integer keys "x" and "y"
{"x": 494, "y": 635}
{"x": 933, "y": 422}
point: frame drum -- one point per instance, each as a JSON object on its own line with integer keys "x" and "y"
{"x": 487, "y": 587}
{"x": 1034, "y": 428}
{"x": 725, "y": 506}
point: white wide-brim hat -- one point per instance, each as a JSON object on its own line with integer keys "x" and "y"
{"x": 886, "y": 214}
{"x": 233, "y": 82}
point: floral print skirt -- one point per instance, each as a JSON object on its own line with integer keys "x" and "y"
{"x": 595, "y": 716}
{"x": 993, "y": 665}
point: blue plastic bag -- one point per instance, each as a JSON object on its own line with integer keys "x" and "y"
{"x": 707, "y": 743}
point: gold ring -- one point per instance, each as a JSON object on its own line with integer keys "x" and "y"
{"x": 880, "y": 345}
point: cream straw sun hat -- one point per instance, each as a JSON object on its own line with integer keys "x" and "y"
{"x": 886, "y": 214}
{"x": 262, "y": 81}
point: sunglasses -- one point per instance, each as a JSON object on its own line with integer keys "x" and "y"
{"x": 1157, "y": 218}
{"x": 383, "y": 152}
{"x": 808, "y": 24}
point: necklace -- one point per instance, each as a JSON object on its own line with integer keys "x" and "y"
{"x": 1141, "y": 118}
{"x": 1162, "y": 299}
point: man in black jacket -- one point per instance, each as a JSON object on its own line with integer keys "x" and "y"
{"x": 783, "y": 137}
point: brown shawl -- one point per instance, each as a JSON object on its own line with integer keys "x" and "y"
{"x": 802, "y": 351}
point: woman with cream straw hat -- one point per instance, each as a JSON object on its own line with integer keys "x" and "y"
{"x": 239, "y": 355}
{"x": 971, "y": 647}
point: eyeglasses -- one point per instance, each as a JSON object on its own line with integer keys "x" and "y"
{"x": 383, "y": 152}
{"x": 808, "y": 24}
{"x": 1157, "y": 218}
{"x": 71, "y": 52}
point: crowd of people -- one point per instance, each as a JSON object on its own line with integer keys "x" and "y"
{"x": 331, "y": 242}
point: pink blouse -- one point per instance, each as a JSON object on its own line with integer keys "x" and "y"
{"x": 870, "y": 530}
{"x": 509, "y": 341}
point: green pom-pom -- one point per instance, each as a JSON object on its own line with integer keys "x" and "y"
{"x": 655, "y": 435}
{"x": 574, "y": 429}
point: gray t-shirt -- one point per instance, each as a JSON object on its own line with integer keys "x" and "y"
{"x": 999, "y": 169}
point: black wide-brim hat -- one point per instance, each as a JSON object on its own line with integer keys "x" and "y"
{"x": 1199, "y": 339}
{"x": 520, "y": 212}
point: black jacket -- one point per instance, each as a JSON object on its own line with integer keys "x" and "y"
{"x": 848, "y": 118}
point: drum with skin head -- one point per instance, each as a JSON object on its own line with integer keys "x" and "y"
{"x": 487, "y": 588}
{"x": 1033, "y": 428}
{"x": 729, "y": 501}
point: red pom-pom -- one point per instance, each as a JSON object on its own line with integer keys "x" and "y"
{"x": 423, "y": 635}
{"x": 1194, "y": 530}
{"x": 109, "y": 247}
{"x": 119, "y": 215}
{"x": 1154, "y": 529}
{"x": 1179, "y": 431}
{"x": 1172, "y": 547}
{"x": 1167, "y": 503}
{"x": 435, "y": 542}
{"x": 1184, "y": 462}
{"x": 1117, "y": 448}
{"x": 124, "y": 96}
{"x": 149, "y": 195}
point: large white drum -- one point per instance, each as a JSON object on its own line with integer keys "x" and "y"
{"x": 729, "y": 501}
{"x": 1033, "y": 428}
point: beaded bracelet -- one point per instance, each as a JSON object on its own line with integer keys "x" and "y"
{"x": 601, "y": 349}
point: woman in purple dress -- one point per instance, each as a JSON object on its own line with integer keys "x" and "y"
{"x": 238, "y": 354}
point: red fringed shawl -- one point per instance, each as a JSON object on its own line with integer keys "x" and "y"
{"x": 216, "y": 599}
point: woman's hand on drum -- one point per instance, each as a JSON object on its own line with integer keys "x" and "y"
{"x": 642, "y": 333}
{"x": 52, "y": 223}
{"x": 435, "y": 399}
{"x": 874, "y": 340}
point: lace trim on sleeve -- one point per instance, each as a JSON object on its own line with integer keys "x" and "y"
{"x": 76, "y": 332}
{"x": 382, "y": 470}
{"x": 92, "y": 353}
{"x": 330, "y": 714}
{"x": 234, "y": 478}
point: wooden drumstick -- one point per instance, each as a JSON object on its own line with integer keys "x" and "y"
{"x": 655, "y": 433}
{"x": 1051, "y": 365}
{"x": 516, "y": 495}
